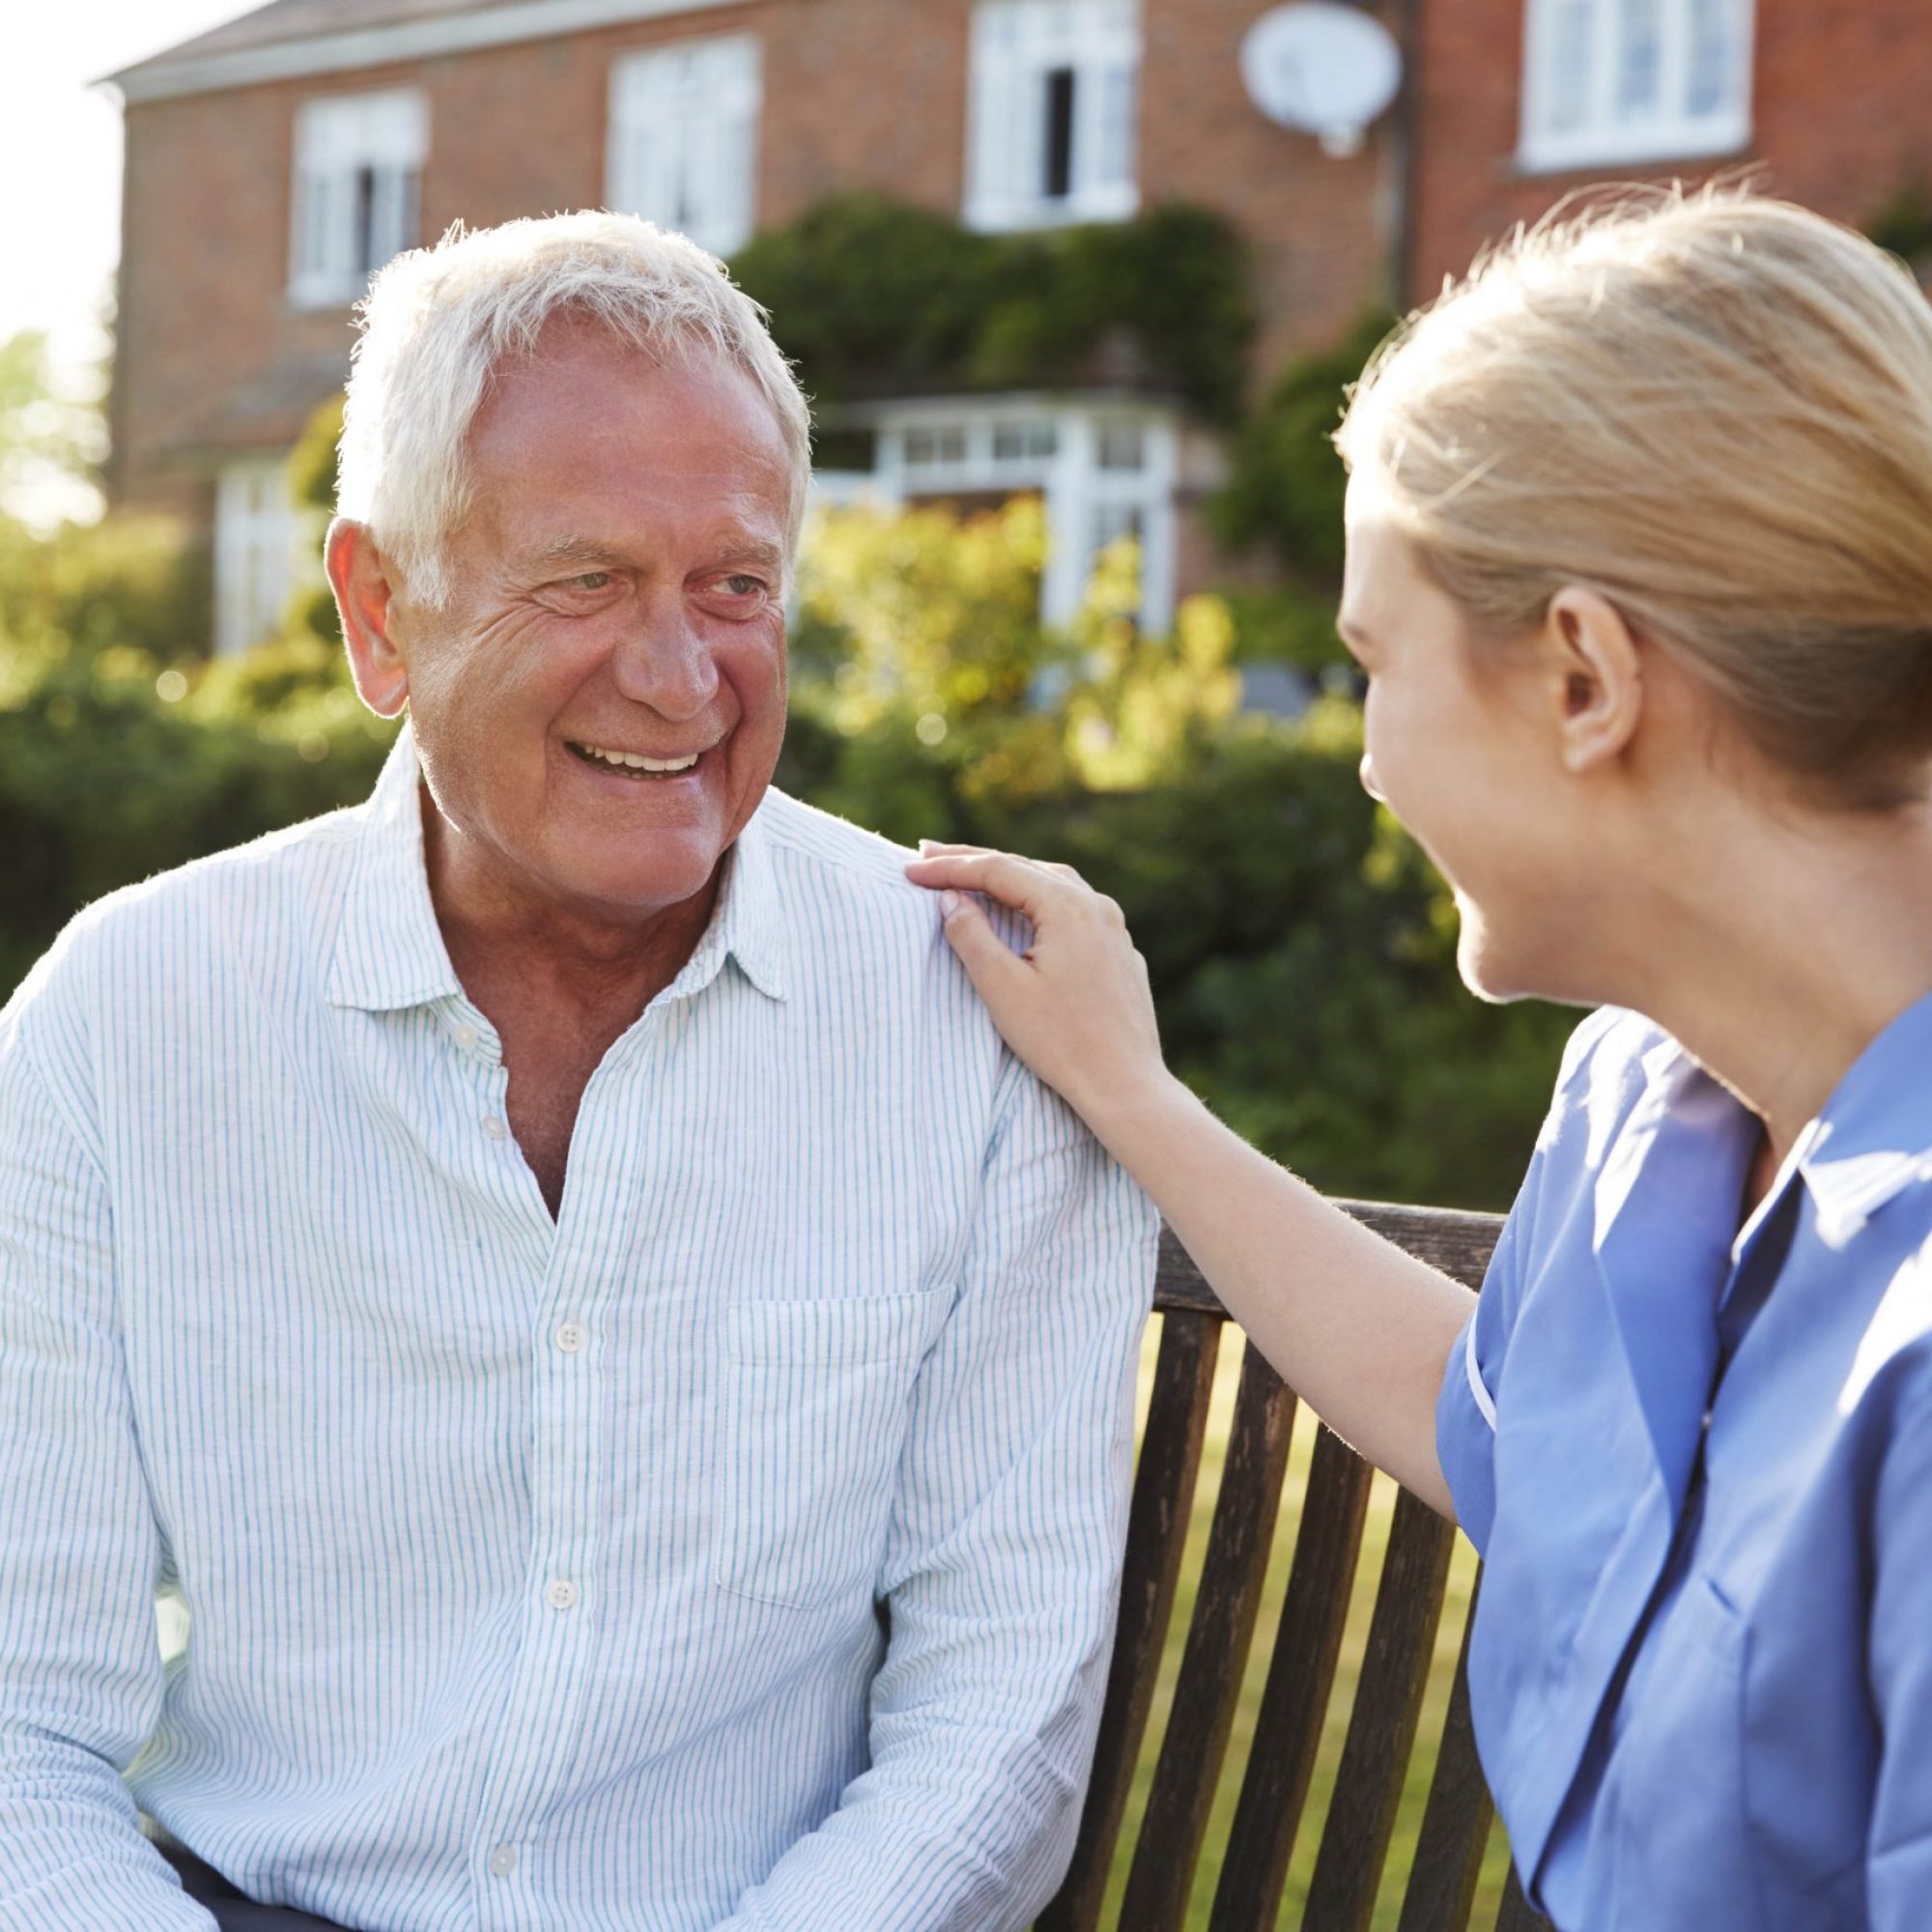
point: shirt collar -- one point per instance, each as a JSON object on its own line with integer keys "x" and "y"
{"x": 389, "y": 952}
{"x": 1873, "y": 1138}
{"x": 388, "y": 949}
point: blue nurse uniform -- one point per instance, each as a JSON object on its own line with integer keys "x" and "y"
{"x": 1698, "y": 1464}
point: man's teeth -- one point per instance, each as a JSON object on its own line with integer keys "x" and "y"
{"x": 633, "y": 762}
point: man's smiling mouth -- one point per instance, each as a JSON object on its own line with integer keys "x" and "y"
{"x": 633, "y": 764}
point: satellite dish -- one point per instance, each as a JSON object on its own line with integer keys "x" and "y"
{"x": 1325, "y": 69}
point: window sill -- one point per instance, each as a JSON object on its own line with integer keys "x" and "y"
{"x": 1656, "y": 148}
{"x": 320, "y": 301}
{"x": 1009, "y": 217}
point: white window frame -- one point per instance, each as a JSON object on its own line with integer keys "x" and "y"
{"x": 1079, "y": 494}
{"x": 254, "y": 553}
{"x": 340, "y": 139}
{"x": 1559, "y": 132}
{"x": 1017, "y": 44}
{"x": 683, "y": 149}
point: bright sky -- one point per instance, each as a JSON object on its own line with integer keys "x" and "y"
{"x": 60, "y": 155}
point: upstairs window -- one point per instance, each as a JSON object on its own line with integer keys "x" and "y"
{"x": 1635, "y": 80}
{"x": 358, "y": 187}
{"x": 684, "y": 139}
{"x": 1054, "y": 95}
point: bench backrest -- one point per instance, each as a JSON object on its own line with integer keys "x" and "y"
{"x": 1439, "y": 1887}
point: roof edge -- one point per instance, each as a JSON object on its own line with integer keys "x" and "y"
{"x": 165, "y": 77}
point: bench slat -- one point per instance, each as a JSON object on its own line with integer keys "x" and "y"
{"x": 1516, "y": 1914}
{"x": 1456, "y": 1822}
{"x": 1170, "y": 1461}
{"x": 1456, "y": 1241}
{"x": 1381, "y": 1727}
{"x": 1301, "y": 1673}
{"x": 1209, "y": 1686}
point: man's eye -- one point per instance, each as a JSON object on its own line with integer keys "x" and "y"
{"x": 591, "y": 580}
{"x": 741, "y": 585}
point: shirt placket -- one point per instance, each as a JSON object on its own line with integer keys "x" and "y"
{"x": 531, "y": 1758}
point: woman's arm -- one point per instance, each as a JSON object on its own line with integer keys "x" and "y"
{"x": 1360, "y": 1330}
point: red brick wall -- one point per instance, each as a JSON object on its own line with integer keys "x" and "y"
{"x": 1839, "y": 119}
{"x": 857, "y": 93}
{"x": 1321, "y": 228}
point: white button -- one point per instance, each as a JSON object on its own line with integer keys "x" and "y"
{"x": 466, "y": 1036}
{"x": 569, "y": 1337}
{"x": 503, "y": 1861}
{"x": 561, "y": 1595}
{"x": 495, "y": 1128}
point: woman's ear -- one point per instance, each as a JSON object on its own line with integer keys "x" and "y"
{"x": 1597, "y": 669}
{"x": 365, "y": 585}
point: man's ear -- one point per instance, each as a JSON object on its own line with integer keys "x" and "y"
{"x": 1597, "y": 671}
{"x": 365, "y": 585}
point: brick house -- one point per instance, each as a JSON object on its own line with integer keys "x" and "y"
{"x": 272, "y": 163}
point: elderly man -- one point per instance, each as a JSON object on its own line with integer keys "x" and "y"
{"x": 551, "y": 1263}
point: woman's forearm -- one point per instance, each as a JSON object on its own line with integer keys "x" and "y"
{"x": 1360, "y": 1330}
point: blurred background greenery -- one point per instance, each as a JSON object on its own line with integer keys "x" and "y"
{"x": 1301, "y": 946}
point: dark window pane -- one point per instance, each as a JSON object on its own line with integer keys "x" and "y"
{"x": 365, "y": 221}
{"x": 1059, "y": 183}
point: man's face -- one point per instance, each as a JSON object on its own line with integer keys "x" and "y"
{"x": 619, "y": 597}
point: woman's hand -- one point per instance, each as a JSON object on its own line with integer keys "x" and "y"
{"x": 1076, "y": 1006}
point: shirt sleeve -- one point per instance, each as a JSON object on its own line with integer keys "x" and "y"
{"x": 81, "y": 1683}
{"x": 1003, "y": 1563}
{"x": 1466, "y": 1407}
{"x": 1465, "y": 1410}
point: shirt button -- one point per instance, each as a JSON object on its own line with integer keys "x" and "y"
{"x": 569, "y": 1337}
{"x": 466, "y": 1036}
{"x": 495, "y": 1128}
{"x": 561, "y": 1595}
{"x": 503, "y": 1861}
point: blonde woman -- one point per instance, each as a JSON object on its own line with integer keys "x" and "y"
{"x": 1640, "y": 571}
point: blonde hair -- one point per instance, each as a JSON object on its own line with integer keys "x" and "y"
{"x": 438, "y": 320}
{"x": 1715, "y": 409}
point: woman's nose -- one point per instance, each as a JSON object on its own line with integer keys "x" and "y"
{"x": 1366, "y": 772}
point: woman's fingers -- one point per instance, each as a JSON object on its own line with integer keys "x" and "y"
{"x": 1075, "y": 1005}
{"x": 989, "y": 962}
{"x": 1015, "y": 882}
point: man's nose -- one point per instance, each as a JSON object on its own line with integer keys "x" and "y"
{"x": 664, "y": 662}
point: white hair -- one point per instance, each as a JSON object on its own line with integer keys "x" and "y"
{"x": 438, "y": 320}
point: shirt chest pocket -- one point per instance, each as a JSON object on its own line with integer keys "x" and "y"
{"x": 818, "y": 1396}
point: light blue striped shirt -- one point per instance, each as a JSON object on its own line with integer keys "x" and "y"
{"x": 533, "y": 1567}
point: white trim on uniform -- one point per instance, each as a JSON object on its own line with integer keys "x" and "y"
{"x": 1485, "y": 1402}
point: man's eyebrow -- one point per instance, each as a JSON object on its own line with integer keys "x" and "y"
{"x": 586, "y": 552}
{"x": 754, "y": 550}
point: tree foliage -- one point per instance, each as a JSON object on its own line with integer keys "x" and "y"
{"x": 871, "y": 298}
{"x": 52, "y": 437}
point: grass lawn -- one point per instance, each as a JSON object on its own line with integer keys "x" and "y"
{"x": 1449, "y": 1639}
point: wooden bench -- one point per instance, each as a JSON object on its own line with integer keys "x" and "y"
{"x": 1438, "y": 1888}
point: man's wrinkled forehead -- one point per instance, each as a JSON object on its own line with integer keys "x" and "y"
{"x": 580, "y": 444}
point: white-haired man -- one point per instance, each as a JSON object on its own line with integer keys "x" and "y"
{"x": 551, "y": 1263}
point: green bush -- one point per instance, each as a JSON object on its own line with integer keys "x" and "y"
{"x": 109, "y": 775}
{"x": 130, "y": 580}
{"x": 870, "y": 297}
{"x": 1285, "y": 482}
